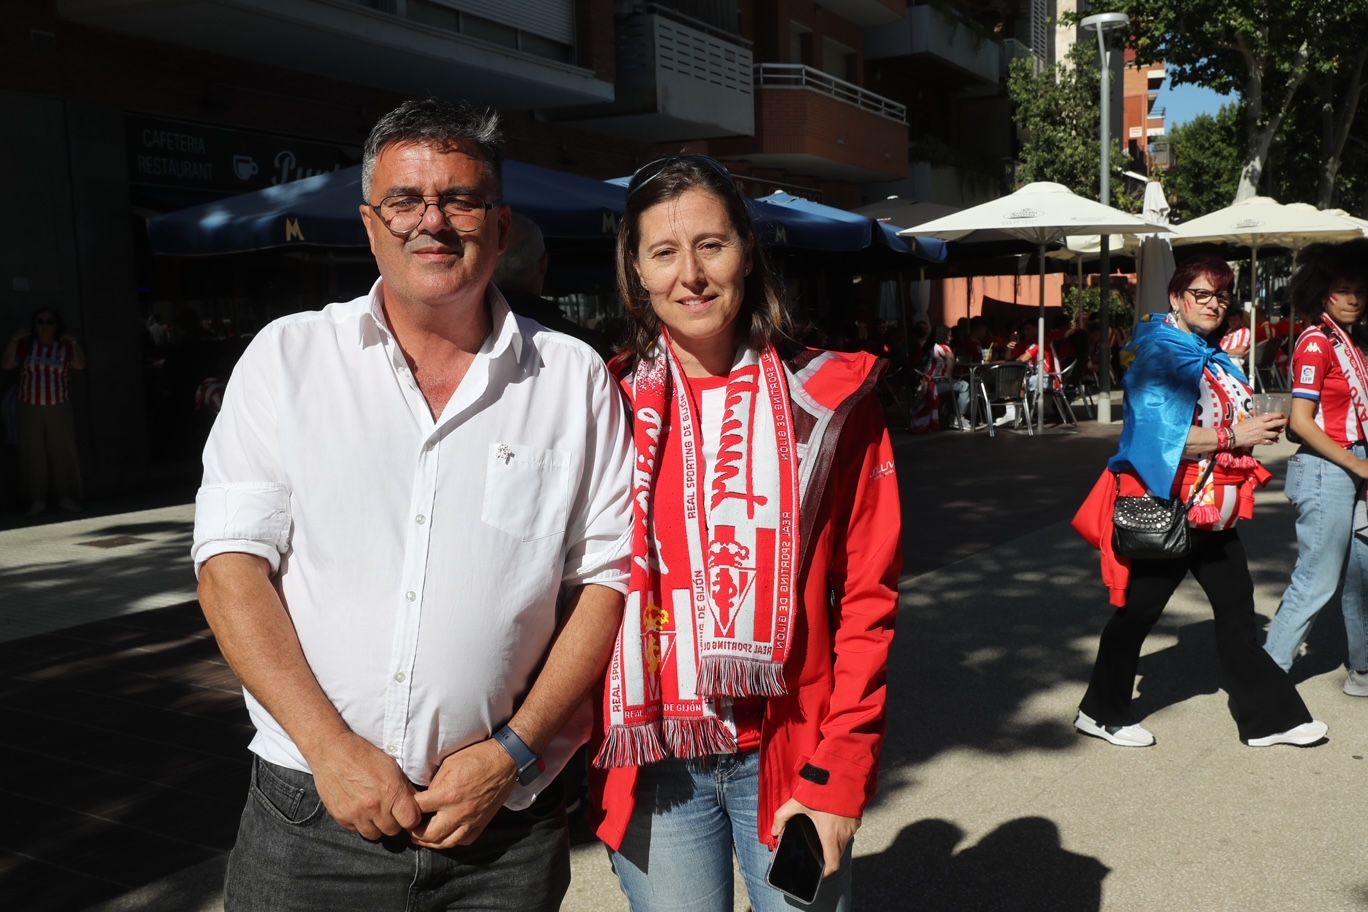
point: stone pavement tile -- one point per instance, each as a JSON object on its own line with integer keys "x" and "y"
{"x": 102, "y": 849}
{"x": 37, "y": 885}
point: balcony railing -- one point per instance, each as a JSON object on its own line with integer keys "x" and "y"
{"x": 799, "y": 76}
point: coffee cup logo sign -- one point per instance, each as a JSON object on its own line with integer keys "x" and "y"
{"x": 167, "y": 153}
{"x": 245, "y": 167}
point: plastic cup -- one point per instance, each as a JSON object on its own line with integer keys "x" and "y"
{"x": 1272, "y": 404}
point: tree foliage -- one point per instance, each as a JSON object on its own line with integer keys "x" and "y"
{"x": 1279, "y": 56}
{"x": 1207, "y": 156}
{"x": 1057, "y": 117}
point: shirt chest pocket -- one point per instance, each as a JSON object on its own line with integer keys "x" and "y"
{"x": 527, "y": 490}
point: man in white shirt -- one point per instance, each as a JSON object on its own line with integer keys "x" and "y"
{"x": 411, "y": 541}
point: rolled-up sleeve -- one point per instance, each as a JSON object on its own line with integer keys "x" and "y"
{"x": 243, "y": 504}
{"x": 599, "y": 534}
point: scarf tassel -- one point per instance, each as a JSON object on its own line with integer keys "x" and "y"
{"x": 1205, "y": 515}
{"x": 630, "y": 745}
{"x": 727, "y": 676}
{"x": 698, "y": 737}
{"x": 1227, "y": 460}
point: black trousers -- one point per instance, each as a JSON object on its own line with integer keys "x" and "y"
{"x": 1263, "y": 699}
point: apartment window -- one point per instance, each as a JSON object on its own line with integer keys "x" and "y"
{"x": 443, "y": 15}
{"x": 800, "y": 43}
{"x": 838, "y": 60}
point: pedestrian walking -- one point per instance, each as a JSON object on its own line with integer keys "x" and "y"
{"x": 1325, "y": 478}
{"x": 748, "y": 682}
{"x": 1188, "y": 435}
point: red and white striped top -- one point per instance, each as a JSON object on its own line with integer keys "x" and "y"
{"x": 1316, "y": 375}
{"x": 1236, "y": 339}
{"x": 44, "y": 372}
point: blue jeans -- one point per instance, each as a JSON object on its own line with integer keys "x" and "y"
{"x": 689, "y": 816}
{"x": 1324, "y": 495}
{"x": 292, "y": 856}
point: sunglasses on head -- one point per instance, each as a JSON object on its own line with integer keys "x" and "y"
{"x": 649, "y": 172}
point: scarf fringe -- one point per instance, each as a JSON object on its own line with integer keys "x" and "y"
{"x": 1227, "y": 460}
{"x": 1205, "y": 515}
{"x": 689, "y": 738}
{"x": 630, "y": 745}
{"x": 727, "y": 676}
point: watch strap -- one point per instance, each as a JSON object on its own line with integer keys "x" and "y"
{"x": 528, "y": 763}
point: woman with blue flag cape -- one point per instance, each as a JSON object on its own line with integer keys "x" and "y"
{"x": 1188, "y": 435}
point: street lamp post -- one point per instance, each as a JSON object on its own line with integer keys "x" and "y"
{"x": 1103, "y": 23}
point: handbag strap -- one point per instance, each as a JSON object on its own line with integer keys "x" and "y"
{"x": 1211, "y": 464}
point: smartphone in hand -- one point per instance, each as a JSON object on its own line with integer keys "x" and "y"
{"x": 796, "y": 868}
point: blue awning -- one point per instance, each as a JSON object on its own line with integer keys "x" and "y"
{"x": 787, "y": 215}
{"x": 324, "y": 211}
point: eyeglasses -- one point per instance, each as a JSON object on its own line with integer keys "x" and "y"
{"x": 1204, "y": 297}
{"x": 405, "y": 212}
{"x": 45, "y": 321}
{"x": 649, "y": 172}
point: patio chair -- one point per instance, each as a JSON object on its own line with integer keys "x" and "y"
{"x": 1000, "y": 384}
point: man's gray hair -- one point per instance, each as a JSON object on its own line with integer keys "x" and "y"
{"x": 447, "y": 125}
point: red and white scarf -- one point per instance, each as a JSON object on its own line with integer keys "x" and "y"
{"x": 1352, "y": 365}
{"x": 712, "y": 595}
{"x": 1223, "y": 400}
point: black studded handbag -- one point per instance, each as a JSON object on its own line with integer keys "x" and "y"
{"x": 1153, "y": 528}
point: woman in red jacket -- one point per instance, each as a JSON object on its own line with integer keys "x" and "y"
{"x": 748, "y": 681}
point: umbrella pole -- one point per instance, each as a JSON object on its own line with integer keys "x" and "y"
{"x": 1254, "y": 314}
{"x": 1040, "y": 345}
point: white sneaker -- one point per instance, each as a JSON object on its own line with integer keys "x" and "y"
{"x": 1120, "y": 735}
{"x": 1303, "y": 735}
{"x": 1356, "y": 683}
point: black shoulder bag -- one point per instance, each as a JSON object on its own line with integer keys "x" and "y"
{"x": 1153, "y": 528}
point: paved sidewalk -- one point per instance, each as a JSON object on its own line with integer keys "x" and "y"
{"x": 124, "y": 735}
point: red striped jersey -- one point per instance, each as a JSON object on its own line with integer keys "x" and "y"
{"x": 44, "y": 372}
{"x": 1236, "y": 339}
{"x": 1316, "y": 375}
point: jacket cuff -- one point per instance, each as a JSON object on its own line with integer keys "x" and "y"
{"x": 826, "y": 783}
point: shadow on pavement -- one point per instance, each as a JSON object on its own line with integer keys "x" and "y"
{"x": 124, "y": 757}
{"x": 1021, "y": 866}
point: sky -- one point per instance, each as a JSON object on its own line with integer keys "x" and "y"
{"x": 1182, "y": 103}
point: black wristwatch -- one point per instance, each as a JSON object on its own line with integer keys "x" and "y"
{"x": 528, "y": 763}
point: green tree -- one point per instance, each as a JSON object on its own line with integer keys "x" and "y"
{"x": 1057, "y": 118}
{"x": 1276, "y": 55}
{"x": 1207, "y": 155}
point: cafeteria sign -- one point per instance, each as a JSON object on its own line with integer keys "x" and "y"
{"x": 170, "y": 153}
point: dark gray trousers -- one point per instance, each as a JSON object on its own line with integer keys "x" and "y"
{"x": 292, "y": 856}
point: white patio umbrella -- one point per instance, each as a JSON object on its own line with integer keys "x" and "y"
{"x": 1262, "y": 222}
{"x": 1041, "y": 213}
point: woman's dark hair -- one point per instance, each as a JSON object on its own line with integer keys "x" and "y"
{"x": 1217, "y": 272}
{"x": 1319, "y": 267}
{"x": 762, "y": 307}
{"x": 48, "y": 311}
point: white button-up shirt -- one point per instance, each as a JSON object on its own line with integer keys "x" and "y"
{"x": 420, "y": 561}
